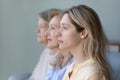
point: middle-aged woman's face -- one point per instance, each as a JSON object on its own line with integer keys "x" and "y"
{"x": 42, "y": 27}
{"x": 54, "y": 25}
{"x": 68, "y": 37}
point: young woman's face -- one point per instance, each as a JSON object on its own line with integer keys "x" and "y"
{"x": 68, "y": 37}
{"x": 54, "y": 25}
{"x": 42, "y": 27}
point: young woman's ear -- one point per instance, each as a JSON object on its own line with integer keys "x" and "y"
{"x": 83, "y": 34}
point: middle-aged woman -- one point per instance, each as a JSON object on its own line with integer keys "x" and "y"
{"x": 81, "y": 32}
{"x": 63, "y": 56}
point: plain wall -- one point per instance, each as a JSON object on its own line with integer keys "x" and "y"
{"x": 19, "y": 50}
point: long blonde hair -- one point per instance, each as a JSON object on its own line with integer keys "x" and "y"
{"x": 94, "y": 45}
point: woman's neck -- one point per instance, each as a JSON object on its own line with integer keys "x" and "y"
{"x": 79, "y": 55}
{"x": 53, "y": 51}
{"x": 64, "y": 53}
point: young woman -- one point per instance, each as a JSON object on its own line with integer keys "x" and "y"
{"x": 43, "y": 21}
{"x": 81, "y": 32}
{"x": 63, "y": 57}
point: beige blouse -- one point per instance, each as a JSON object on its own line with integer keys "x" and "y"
{"x": 87, "y": 70}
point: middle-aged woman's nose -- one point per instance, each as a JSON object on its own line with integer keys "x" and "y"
{"x": 58, "y": 33}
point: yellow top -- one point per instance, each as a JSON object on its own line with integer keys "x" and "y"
{"x": 88, "y": 70}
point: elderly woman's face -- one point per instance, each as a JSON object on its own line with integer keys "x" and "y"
{"x": 42, "y": 27}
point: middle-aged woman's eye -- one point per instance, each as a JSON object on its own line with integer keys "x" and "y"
{"x": 65, "y": 28}
{"x": 53, "y": 28}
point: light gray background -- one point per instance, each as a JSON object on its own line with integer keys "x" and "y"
{"x": 19, "y": 50}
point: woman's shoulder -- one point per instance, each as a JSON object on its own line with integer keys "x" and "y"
{"x": 92, "y": 66}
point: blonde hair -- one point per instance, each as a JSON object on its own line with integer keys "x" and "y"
{"x": 94, "y": 45}
{"x": 60, "y": 60}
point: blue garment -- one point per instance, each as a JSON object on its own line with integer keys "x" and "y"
{"x": 57, "y": 73}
